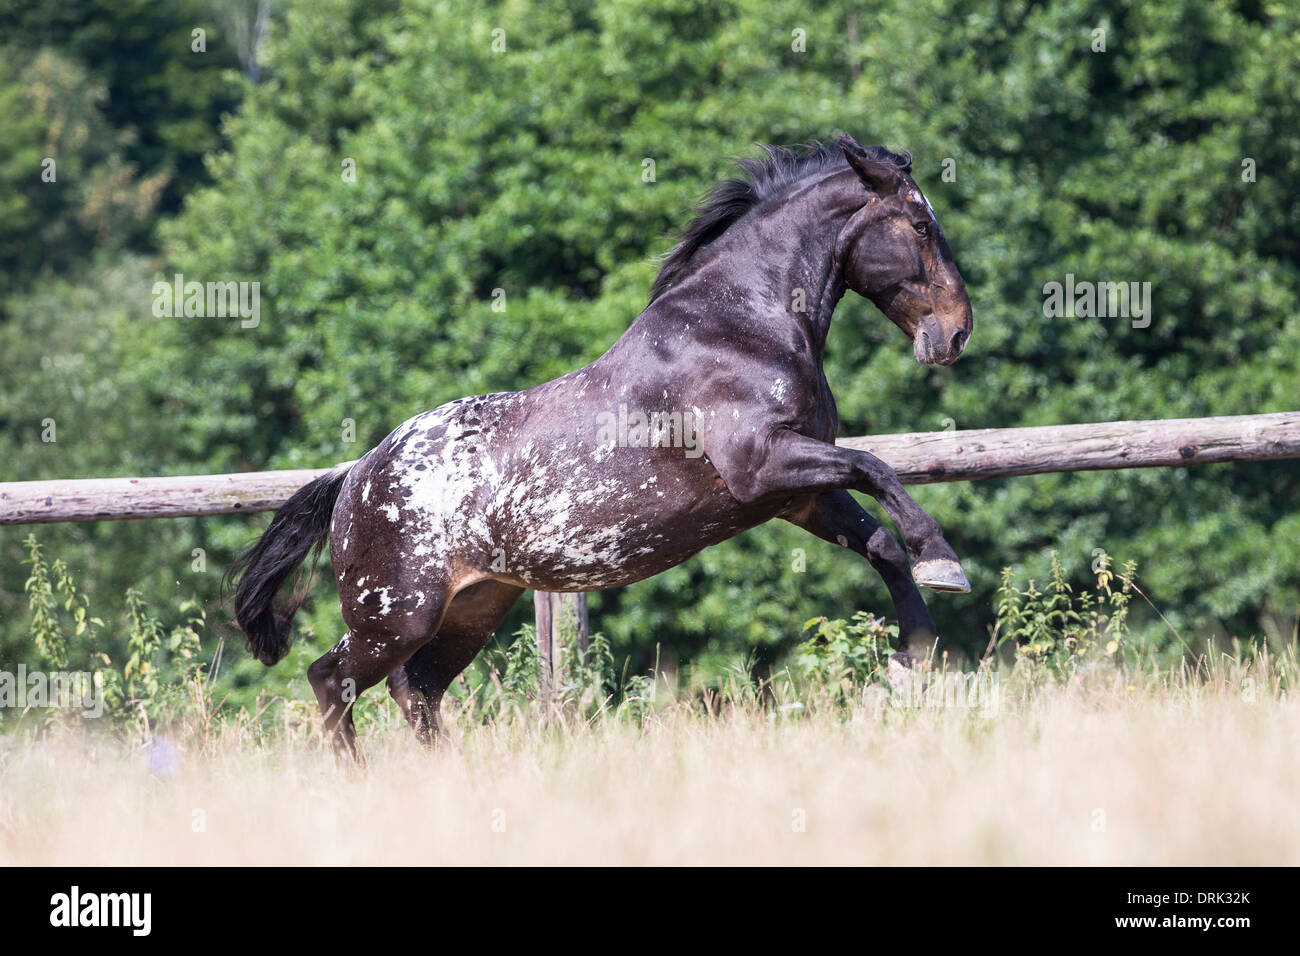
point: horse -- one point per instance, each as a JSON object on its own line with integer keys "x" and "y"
{"x": 708, "y": 416}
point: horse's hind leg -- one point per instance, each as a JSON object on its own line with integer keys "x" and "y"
{"x": 471, "y": 620}
{"x": 380, "y": 637}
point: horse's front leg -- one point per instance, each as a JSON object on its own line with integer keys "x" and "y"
{"x": 790, "y": 464}
{"x": 834, "y": 516}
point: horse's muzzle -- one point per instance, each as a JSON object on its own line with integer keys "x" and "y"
{"x": 933, "y": 345}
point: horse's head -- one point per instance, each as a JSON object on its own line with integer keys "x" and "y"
{"x": 894, "y": 254}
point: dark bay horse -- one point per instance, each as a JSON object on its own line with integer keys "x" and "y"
{"x": 710, "y": 415}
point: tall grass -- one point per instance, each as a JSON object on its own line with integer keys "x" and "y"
{"x": 1181, "y": 766}
{"x": 1065, "y": 744}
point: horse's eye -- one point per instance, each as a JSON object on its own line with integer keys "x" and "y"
{"x": 922, "y": 228}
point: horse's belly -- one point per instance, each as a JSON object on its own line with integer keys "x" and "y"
{"x": 586, "y": 524}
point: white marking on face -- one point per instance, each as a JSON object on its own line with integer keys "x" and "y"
{"x": 915, "y": 195}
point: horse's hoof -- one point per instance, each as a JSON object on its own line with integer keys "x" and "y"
{"x": 941, "y": 575}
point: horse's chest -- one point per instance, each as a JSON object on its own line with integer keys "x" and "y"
{"x": 822, "y": 420}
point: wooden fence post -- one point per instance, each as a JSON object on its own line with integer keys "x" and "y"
{"x": 557, "y": 616}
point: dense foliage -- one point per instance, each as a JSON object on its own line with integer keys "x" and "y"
{"x": 383, "y": 168}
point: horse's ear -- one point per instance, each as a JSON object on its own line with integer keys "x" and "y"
{"x": 848, "y": 142}
{"x": 876, "y": 176}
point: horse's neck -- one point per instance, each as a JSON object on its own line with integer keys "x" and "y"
{"x": 766, "y": 274}
{"x": 813, "y": 277}
{"x": 770, "y": 281}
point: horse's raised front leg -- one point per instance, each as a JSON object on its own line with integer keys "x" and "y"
{"x": 790, "y": 464}
{"x": 834, "y": 516}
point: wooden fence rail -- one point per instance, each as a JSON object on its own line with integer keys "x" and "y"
{"x": 919, "y": 458}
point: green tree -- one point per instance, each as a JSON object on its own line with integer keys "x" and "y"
{"x": 398, "y": 163}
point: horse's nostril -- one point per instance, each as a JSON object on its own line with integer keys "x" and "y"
{"x": 958, "y": 340}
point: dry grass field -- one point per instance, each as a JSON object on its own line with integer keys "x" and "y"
{"x": 1122, "y": 768}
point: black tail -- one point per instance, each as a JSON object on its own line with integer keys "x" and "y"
{"x": 301, "y": 527}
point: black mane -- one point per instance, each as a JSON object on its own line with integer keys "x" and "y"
{"x": 728, "y": 201}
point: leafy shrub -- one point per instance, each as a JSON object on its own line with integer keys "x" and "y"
{"x": 162, "y": 670}
{"x": 1055, "y": 630}
{"x": 843, "y": 656}
{"x": 584, "y": 677}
